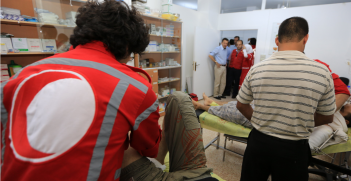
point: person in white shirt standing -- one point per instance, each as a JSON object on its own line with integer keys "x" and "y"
{"x": 219, "y": 55}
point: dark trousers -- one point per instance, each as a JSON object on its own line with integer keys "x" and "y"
{"x": 232, "y": 75}
{"x": 284, "y": 160}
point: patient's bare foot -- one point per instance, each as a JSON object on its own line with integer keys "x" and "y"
{"x": 207, "y": 100}
{"x": 196, "y": 104}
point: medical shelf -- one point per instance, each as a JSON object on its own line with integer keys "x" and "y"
{"x": 154, "y": 17}
{"x": 160, "y": 68}
{"x": 164, "y": 36}
{"x": 163, "y": 52}
{"x": 155, "y": 57}
{"x": 26, "y": 23}
{"x": 169, "y": 81}
{"x": 29, "y": 53}
{"x": 163, "y": 97}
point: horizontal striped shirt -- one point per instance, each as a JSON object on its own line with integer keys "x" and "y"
{"x": 288, "y": 88}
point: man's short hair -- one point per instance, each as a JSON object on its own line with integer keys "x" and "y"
{"x": 237, "y": 37}
{"x": 347, "y": 117}
{"x": 231, "y": 41}
{"x": 225, "y": 39}
{"x": 241, "y": 41}
{"x": 253, "y": 41}
{"x": 293, "y": 29}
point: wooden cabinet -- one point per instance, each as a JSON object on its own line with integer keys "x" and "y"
{"x": 153, "y": 73}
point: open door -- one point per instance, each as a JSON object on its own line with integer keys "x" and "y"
{"x": 205, "y": 41}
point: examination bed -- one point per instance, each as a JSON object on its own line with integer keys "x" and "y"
{"x": 239, "y": 133}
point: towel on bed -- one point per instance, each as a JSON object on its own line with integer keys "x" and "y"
{"x": 321, "y": 133}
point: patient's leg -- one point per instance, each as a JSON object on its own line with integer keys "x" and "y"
{"x": 162, "y": 149}
{"x": 183, "y": 136}
{"x": 230, "y": 113}
{"x": 198, "y": 105}
{"x": 207, "y": 100}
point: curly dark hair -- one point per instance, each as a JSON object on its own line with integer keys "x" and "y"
{"x": 119, "y": 27}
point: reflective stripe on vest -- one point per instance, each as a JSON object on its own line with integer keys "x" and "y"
{"x": 111, "y": 111}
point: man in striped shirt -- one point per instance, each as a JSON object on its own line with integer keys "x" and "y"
{"x": 292, "y": 94}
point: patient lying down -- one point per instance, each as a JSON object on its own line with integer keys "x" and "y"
{"x": 320, "y": 134}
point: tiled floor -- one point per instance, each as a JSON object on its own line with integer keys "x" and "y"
{"x": 230, "y": 169}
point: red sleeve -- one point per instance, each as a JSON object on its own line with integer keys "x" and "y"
{"x": 323, "y": 64}
{"x": 339, "y": 86}
{"x": 241, "y": 58}
{"x": 146, "y": 133}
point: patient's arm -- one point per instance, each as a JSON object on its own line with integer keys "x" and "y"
{"x": 320, "y": 119}
{"x": 340, "y": 99}
{"x": 245, "y": 109}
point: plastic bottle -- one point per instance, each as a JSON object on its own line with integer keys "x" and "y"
{"x": 13, "y": 68}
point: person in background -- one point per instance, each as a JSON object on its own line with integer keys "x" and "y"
{"x": 236, "y": 39}
{"x": 69, "y": 116}
{"x": 292, "y": 94}
{"x": 232, "y": 44}
{"x": 234, "y": 71}
{"x": 230, "y": 48}
{"x": 342, "y": 93}
{"x": 247, "y": 64}
{"x": 253, "y": 43}
{"x": 219, "y": 57}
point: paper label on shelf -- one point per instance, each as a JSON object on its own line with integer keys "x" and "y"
{"x": 8, "y": 43}
{"x": 155, "y": 71}
{"x": 4, "y": 67}
{"x": 4, "y": 78}
{"x": 4, "y": 73}
{"x": 34, "y": 45}
{"x": 3, "y": 48}
{"x": 155, "y": 82}
{"x": 49, "y": 45}
{"x": 20, "y": 44}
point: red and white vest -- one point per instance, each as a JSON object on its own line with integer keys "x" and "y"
{"x": 67, "y": 117}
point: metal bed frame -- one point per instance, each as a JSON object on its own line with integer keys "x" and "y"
{"x": 330, "y": 171}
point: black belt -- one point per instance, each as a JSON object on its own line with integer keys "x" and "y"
{"x": 223, "y": 65}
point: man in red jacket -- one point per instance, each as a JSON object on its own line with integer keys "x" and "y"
{"x": 67, "y": 117}
{"x": 234, "y": 71}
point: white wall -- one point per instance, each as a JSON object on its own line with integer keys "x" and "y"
{"x": 188, "y": 17}
{"x": 206, "y": 16}
{"x": 243, "y": 34}
{"x": 330, "y": 31}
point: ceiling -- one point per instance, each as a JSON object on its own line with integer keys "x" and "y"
{"x": 191, "y": 4}
{"x": 228, "y": 6}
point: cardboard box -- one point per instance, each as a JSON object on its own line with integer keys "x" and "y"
{"x": 34, "y": 45}
{"x": 8, "y": 43}
{"x": 20, "y": 44}
{"x": 49, "y": 45}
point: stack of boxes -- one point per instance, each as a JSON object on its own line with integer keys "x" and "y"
{"x": 169, "y": 30}
{"x": 141, "y": 7}
{"x": 71, "y": 18}
{"x": 4, "y": 73}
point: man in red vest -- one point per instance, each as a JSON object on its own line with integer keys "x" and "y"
{"x": 247, "y": 64}
{"x": 234, "y": 71}
{"x": 68, "y": 117}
